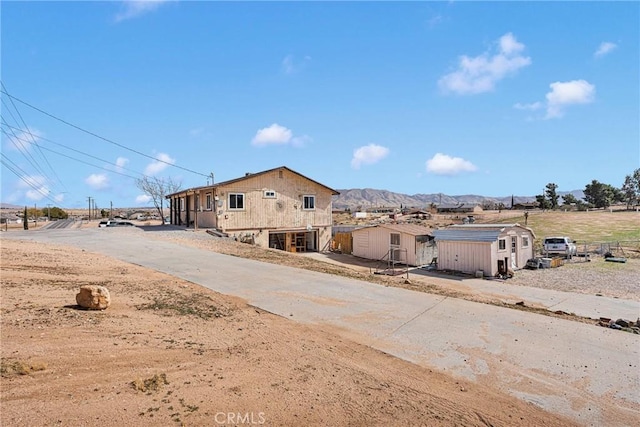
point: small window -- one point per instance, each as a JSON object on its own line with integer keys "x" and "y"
{"x": 181, "y": 203}
{"x": 502, "y": 244}
{"x": 525, "y": 241}
{"x": 208, "y": 202}
{"x": 269, "y": 194}
{"x": 280, "y": 174}
{"x": 394, "y": 239}
{"x": 236, "y": 201}
{"x": 309, "y": 203}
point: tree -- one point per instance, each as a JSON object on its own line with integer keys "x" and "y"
{"x": 551, "y": 195}
{"x": 157, "y": 189}
{"x": 598, "y": 194}
{"x": 569, "y": 199}
{"x": 57, "y": 213}
{"x": 25, "y": 219}
{"x": 631, "y": 189}
{"x": 543, "y": 202}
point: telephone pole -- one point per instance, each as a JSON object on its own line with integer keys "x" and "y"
{"x": 89, "y": 198}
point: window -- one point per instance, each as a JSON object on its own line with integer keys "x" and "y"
{"x": 309, "y": 202}
{"x": 502, "y": 244}
{"x": 525, "y": 241}
{"x": 208, "y": 202}
{"x": 394, "y": 239}
{"x": 269, "y": 194}
{"x": 182, "y": 203}
{"x": 236, "y": 201}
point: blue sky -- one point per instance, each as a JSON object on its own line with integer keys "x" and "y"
{"x": 489, "y": 98}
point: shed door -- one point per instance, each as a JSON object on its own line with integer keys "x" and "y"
{"x": 514, "y": 252}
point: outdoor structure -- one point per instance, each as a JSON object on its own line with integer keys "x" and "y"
{"x": 526, "y": 205}
{"x": 467, "y": 208}
{"x": 490, "y": 248}
{"x": 277, "y": 208}
{"x": 408, "y": 244}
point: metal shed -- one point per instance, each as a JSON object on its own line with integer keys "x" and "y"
{"x": 490, "y": 248}
{"x": 408, "y": 244}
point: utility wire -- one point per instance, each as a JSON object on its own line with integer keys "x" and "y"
{"x": 29, "y": 182}
{"x": 33, "y": 139}
{"x": 79, "y": 152}
{"x": 101, "y": 137}
{"x": 23, "y": 148}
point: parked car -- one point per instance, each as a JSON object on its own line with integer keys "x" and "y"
{"x": 120, "y": 224}
{"x": 562, "y": 245}
{"x": 103, "y": 224}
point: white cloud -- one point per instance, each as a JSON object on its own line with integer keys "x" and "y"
{"x": 121, "y": 162}
{"x": 34, "y": 187}
{"x": 157, "y": 166}
{"x": 23, "y": 141}
{"x": 290, "y": 65}
{"x": 368, "y": 155}
{"x": 134, "y": 8}
{"x": 97, "y": 181}
{"x": 143, "y": 199}
{"x": 273, "y": 135}
{"x": 530, "y": 107}
{"x": 605, "y": 48}
{"x": 481, "y": 73}
{"x": 568, "y": 93}
{"x": 59, "y": 198}
{"x": 442, "y": 164}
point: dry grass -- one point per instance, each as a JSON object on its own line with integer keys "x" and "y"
{"x": 9, "y": 368}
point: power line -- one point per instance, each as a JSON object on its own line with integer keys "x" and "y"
{"x": 29, "y": 182}
{"x": 83, "y": 153}
{"x": 101, "y": 137}
{"x": 33, "y": 139}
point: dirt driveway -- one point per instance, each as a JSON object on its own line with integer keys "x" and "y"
{"x": 168, "y": 352}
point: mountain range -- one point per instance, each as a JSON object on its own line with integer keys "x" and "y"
{"x": 367, "y": 197}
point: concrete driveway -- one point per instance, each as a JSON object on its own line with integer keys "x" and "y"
{"x": 582, "y": 371}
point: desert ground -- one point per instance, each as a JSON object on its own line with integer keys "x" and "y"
{"x": 169, "y": 352}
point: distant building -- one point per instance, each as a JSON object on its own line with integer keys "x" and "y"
{"x": 465, "y": 208}
{"x": 525, "y": 206}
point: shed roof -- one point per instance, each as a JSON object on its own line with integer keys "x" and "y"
{"x": 476, "y": 232}
{"x": 249, "y": 176}
{"x": 411, "y": 229}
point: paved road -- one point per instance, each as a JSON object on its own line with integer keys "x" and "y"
{"x": 582, "y": 371}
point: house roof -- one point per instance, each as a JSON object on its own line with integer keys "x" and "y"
{"x": 411, "y": 229}
{"x": 458, "y": 206}
{"x": 476, "y": 232}
{"x": 249, "y": 176}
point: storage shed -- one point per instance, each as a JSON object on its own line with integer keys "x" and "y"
{"x": 490, "y": 248}
{"x": 408, "y": 244}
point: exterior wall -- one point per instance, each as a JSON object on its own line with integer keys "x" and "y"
{"x": 374, "y": 243}
{"x": 282, "y": 212}
{"x": 465, "y": 256}
{"x": 469, "y": 257}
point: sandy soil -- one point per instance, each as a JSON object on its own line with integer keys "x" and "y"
{"x": 168, "y": 352}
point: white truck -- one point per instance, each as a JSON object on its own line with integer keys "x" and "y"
{"x": 562, "y": 245}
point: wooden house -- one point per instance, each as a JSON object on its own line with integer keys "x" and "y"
{"x": 490, "y": 248}
{"x": 277, "y": 208}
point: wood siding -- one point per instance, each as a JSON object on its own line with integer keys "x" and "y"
{"x": 374, "y": 243}
{"x": 281, "y": 210}
{"x": 469, "y": 256}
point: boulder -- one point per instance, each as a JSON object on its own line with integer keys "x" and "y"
{"x": 93, "y": 297}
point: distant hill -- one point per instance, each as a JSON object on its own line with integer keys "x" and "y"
{"x": 369, "y": 197}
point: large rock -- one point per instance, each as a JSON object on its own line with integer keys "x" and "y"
{"x": 93, "y": 297}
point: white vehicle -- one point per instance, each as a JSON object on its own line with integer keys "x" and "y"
{"x": 562, "y": 245}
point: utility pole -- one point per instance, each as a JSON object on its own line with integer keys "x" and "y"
{"x": 35, "y": 215}
{"x": 49, "y": 211}
{"x": 111, "y": 210}
{"x": 89, "y": 198}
